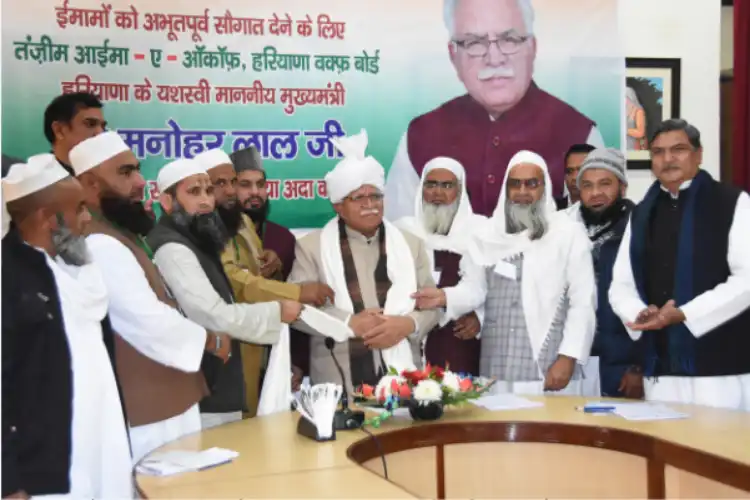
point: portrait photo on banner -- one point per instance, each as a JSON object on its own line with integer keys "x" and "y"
{"x": 424, "y": 78}
{"x": 652, "y": 95}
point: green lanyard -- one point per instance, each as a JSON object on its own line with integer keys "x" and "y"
{"x": 236, "y": 249}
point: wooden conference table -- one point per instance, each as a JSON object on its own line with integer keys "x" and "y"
{"x": 549, "y": 452}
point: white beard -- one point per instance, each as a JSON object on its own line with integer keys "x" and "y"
{"x": 521, "y": 217}
{"x": 438, "y": 219}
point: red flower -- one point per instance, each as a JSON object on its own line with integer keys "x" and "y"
{"x": 404, "y": 392}
{"x": 381, "y": 395}
{"x": 465, "y": 384}
{"x": 394, "y": 387}
{"x": 367, "y": 390}
{"x": 438, "y": 372}
{"x": 414, "y": 377}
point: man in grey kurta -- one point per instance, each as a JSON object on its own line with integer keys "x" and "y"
{"x": 382, "y": 267}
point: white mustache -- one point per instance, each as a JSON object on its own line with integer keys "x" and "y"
{"x": 370, "y": 211}
{"x": 496, "y": 72}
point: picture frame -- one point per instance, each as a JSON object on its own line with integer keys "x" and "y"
{"x": 652, "y": 95}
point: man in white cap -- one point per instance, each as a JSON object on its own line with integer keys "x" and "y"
{"x": 159, "y": 351}
{"x": 373, "y": 267}
{"x": 532, "y": 270}
{"x": 64, "y": 431}
{"x": 613, "y": 370}
{"x": 241, "y": 261}
{"x": 444, "y": 220}
{"x": 187, "y": 242}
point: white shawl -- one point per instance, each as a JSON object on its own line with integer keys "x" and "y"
{"x": 401, "y": 272}
{"x": 544, "y": 261}
{"x": 464, "y": 224}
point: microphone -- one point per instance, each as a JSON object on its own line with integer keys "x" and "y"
{"x": 345, "y": 418}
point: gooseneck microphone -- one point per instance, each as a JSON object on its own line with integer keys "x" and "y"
{"x": 345, "y": 418}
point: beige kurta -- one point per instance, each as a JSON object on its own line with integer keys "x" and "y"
{"x": 308, "y": 266}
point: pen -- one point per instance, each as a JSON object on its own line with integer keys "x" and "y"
{"x": 596, "y": 409}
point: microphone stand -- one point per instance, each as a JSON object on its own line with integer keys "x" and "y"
{"x": 345, "y": 418}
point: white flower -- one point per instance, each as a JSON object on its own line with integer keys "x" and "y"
{"x": 451, "y": 382}
{"x": 428, "y": 391}
{"x": 385, "y": 385}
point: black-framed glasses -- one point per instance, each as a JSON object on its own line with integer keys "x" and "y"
{"x": 439, "y": 185}
{"x": 507, "y": 43}
{"x": 528, "y": 183}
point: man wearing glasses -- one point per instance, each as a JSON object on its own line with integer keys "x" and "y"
{"x": 533, "y": 273}
{"x": 493, "y": 48}
{"x": 373, "y": 268}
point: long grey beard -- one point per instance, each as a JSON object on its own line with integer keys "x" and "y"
{"x": 70, "y": 248}
{"x": 520, "y": 217}
{"x": 438, "y": 219}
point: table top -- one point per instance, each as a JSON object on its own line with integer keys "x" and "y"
{"x": 274, "y": 458}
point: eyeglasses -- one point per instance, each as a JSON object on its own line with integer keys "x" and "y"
{"x": 508, "y": 44}
{"x": 528, "y": 183}
{"x": 360, "y": 198}
{"x": 439, "y": 185}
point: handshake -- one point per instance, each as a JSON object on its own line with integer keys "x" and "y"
{"x": 379, "y": 331}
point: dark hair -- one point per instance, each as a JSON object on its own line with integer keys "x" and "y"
{"x": 578, "y": 148}
{"x": 64, "y": 107}
{"x": 677, "y": 124}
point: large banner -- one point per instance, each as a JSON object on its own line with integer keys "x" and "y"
{"x": 179, "y": 76}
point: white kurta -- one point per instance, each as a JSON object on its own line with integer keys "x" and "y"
{"x": 100, "y": 465}
{"x": 153, "y": 328}
{"x": 703, "y": 314}
{"x": 402, "y": 184}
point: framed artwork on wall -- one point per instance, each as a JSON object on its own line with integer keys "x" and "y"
{"x": 652, "y": 95}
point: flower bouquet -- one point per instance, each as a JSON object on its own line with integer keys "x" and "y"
{"x": 424, "y": 392}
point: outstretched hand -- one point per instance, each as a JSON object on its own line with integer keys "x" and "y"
{"x": 429, "y": 298}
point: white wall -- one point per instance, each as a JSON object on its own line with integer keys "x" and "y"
{"x": 691, "y": 31}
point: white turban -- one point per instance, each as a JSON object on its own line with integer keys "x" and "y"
{"x": 173, "y": 172}
{"x": 39, "y": 171}
{"x": 96, "y": 150}
{"x": 355, "y": 170}
{"x": 212, "y": 158}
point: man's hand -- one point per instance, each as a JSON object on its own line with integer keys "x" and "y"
{"x": 316, "y": 294}
{"x": 558, "y": 375}
{"x": 225, "y": 350}
{"x": 631, "y": 384}
{"x": 297, "y": 377}
{"x": 290, "y": 311}
{"x": 270, "y": 263}
{"x": 467, "y": 326}
{"x": 429, "y": 298}
{"x": 391, "y": 331}
{"x": 366, "y": 320}
{"x": 657, "y": 319}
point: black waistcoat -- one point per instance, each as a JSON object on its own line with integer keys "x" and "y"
{"x": 225, "y": 380}
{"x": 724, "y": 350}
{"x": 37, "y": 380}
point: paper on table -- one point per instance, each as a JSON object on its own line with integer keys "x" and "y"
{"x": 505, "y": 402}
{"x": 647, "y": 411}
{"x": 325, "y": 324}
{"x": 176, "y": 462}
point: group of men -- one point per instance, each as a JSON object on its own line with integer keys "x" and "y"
{"x": 121, "y": 332}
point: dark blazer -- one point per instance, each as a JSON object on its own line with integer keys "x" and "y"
{"x": 562, "y": 203}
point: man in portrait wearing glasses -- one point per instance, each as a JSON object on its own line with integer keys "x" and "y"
{"x": 373, "y": 268}
{"x": 533, "y": 272}
{"x": 492, "y": 47}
